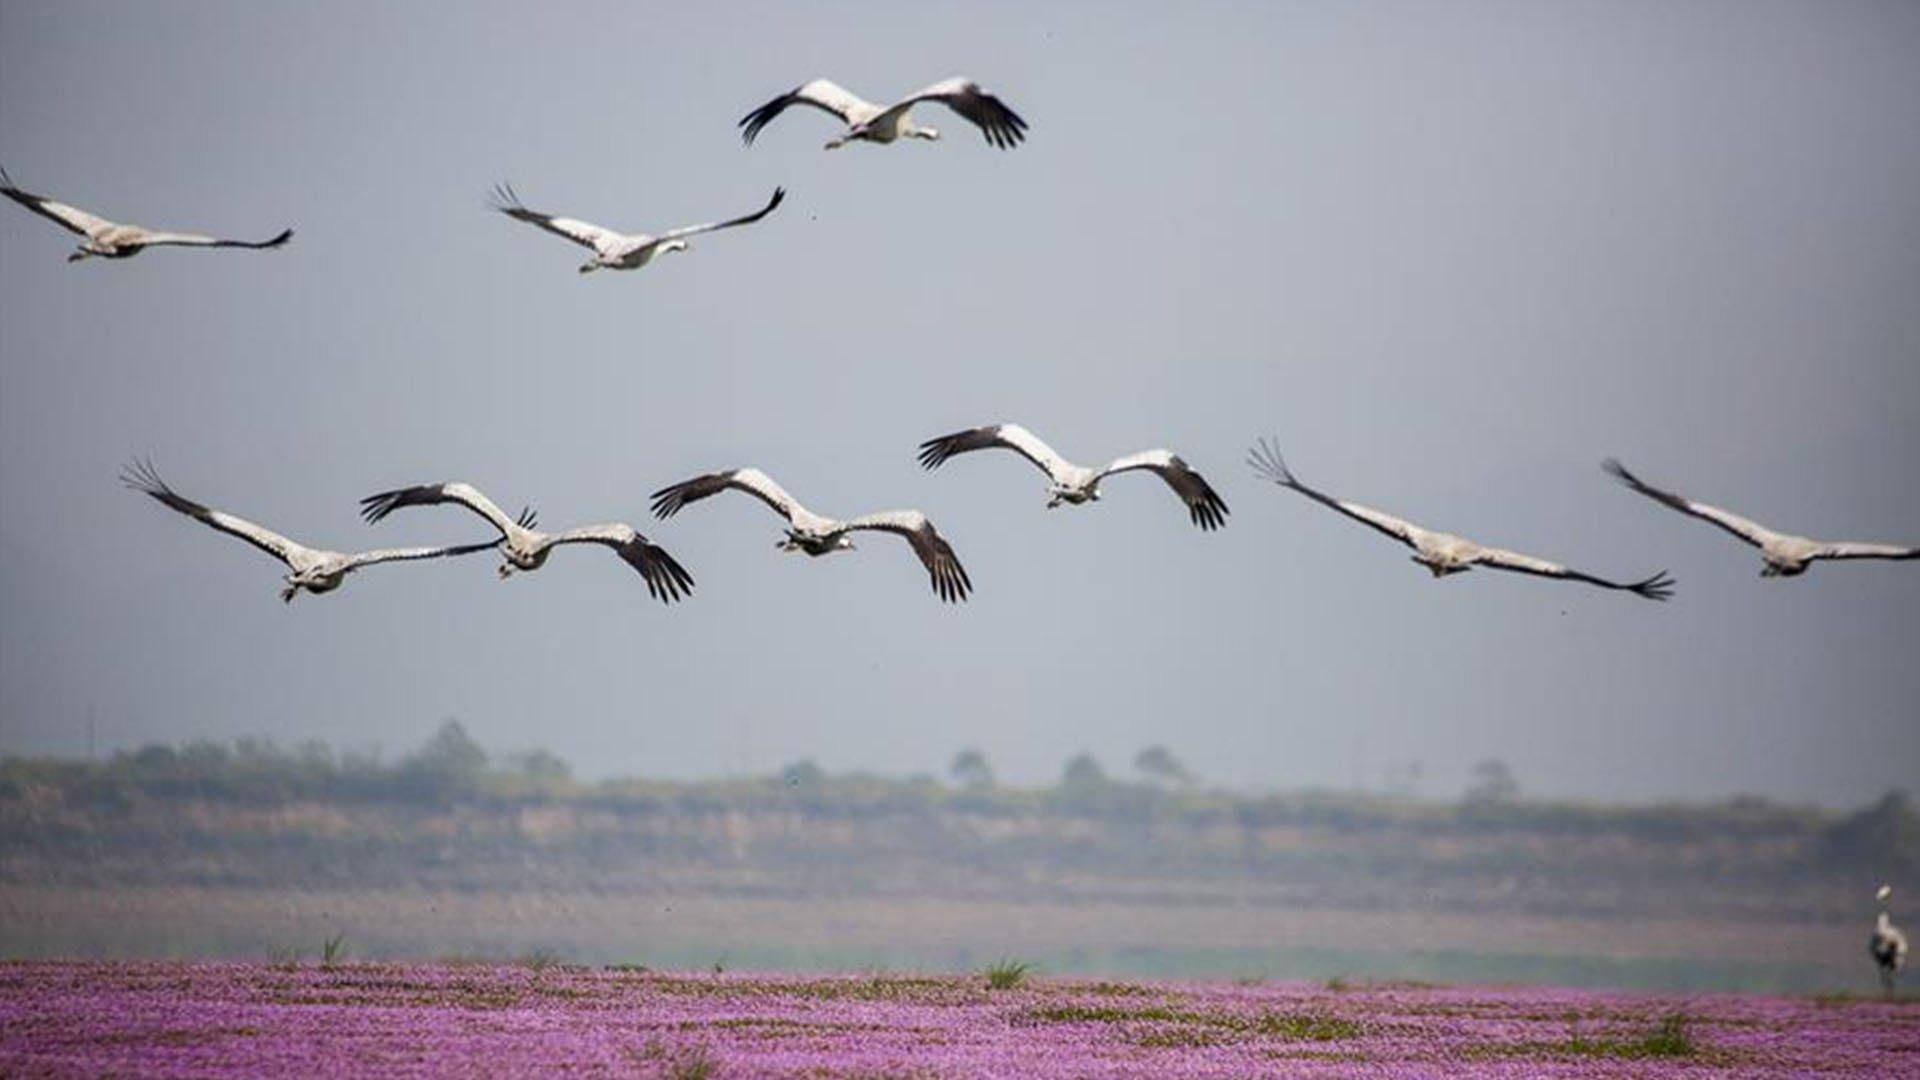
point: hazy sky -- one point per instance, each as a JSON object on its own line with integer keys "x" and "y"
{"x": 1452, "y": 255}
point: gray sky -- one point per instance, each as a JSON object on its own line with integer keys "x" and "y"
{"x": 1451, "y": 255}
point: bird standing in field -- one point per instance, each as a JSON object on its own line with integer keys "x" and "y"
{"x": 1443, "y": 553}
{"x": 1888, "y": 944}
{"x": 1076, "y": 484}
{"x": 110, "y": 240}
{"x": 867, "y": 122}
{"x": 314, "y": 570}
{"x": 526, "y": 548}
{"x": 1785, "y": 555}
{"x": 817, "y": 535}
{"x": 619, "y": 251}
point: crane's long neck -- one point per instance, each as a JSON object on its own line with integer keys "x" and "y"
{"x": 1884, "y": 923}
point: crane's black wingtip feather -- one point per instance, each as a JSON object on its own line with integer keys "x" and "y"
{"x": 139, "y": 475}
{"x": 751, "y": 123}
{"x": 934, "y": 452}
{"x": 667, "y": 501}
{"x": 1210, "y": 513}
{"x": 1658, "y": 587}
{"x": 951, "y": 585}
{"x": 505, "y": 199}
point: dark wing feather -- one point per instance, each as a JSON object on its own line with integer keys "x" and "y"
{"x": 584, "y": 233}
{"x": 1204, "y": 505}
{"x": 1268, "y": 465}
{"x": 141, "y": 476}
{"x": 949, "y": 578}
{"x": 779, "y": 194}
{"x": 72, "y": 219}
{"x": 1657, "y": 587}
{"x": 283, "y": 236}
{"x": 376, "y": 507}
{"x": 666, "y": 579}
{"x": 1749, "y": 531}
{"x": 822, "y": 94}
{"x": 935, "y": 452}
{"x": 157, "y": 238}
{"x": 668, "y": 500}
{"x": 1001, "y": 126}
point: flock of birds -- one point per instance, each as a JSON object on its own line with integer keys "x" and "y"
{"x": 524, "y": 547}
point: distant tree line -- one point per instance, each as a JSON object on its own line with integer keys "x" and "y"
{"x": 452, "y": 768}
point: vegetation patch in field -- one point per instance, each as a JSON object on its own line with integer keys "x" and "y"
{"x": 1180, "y": 1038}
{"x": 1341, "y": 984}
{"x": 1188, "y": 1028}
{"x": 1103, "y": 1014}
{"x": 1110, "y": 989}
{"x": 180, "y": 1037}
{"x": 373, "y": 987}
{"x": 1298, "y": 1027}
{"x": 1669, "y": 1038}
{"x": 681, "y": 1063}
{"x": 776, "y": 1027}
{"x": 539, "y": 961}
{"x": 1007, "y": 974}
{"x": 878, "y": 988}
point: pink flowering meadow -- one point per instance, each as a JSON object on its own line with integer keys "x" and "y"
{"x": 203, "y": 1020}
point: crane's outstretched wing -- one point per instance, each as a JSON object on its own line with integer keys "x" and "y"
{"x": 1851, "y": 549}
{"x": 823, "y": 94}
{"x": 376, "y": 507}
{"x": 1204, "y": 505}
{"x": 1001, "y": 126}
{"x": 1752, "y": 532}
{"x": 935, "y": 452}
{"x": 150, "y": 238}
{"x": 949, "y": 578}
{"x": 584, "y": 233}
{"x": 666, "y": 579}
{"x": 381, "y": 555}
{"x": 70, "y": 218}
{"x": 1657, "y": 587}
{"x": 668, "y": 500}
{"x": 779, "y": 194}
{"x": 1270, "y": 466}
{"x": 141, "y": 476}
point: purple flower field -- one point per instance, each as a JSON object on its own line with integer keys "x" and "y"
{"x": 159, "y": 1019}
